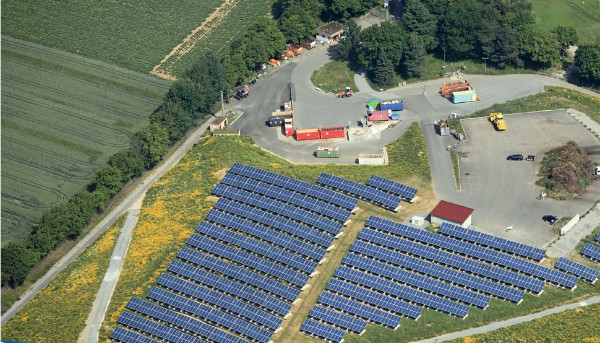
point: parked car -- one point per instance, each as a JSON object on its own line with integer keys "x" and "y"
{"x": 549, "y": 218}
{"x": 515, "y": 157}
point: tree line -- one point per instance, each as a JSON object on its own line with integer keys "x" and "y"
{"x": 502, "y": 30}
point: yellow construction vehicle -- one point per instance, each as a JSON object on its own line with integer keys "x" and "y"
{"x": 498, "y": 120}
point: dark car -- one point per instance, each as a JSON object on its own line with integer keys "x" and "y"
{"x": 549, "y": 218}
{"x": 515, "y": 157}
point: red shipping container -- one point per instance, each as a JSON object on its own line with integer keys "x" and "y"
{"x": 306, "y": 134}
{"x": 332, "y": 132}
{"x": 379, "y": 116}
{"x": 288, "y": 130}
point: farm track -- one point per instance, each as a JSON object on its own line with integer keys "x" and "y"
{"x": 96, "y": 136}
{"x": 76, "y": 63}
{"x": 165, "y": 68}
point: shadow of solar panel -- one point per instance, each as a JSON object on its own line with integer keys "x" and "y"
{"x": 154, "y": 329}
{"x": 121, "y": 335}
{"x": 591, "y": 251}
{"x": 586, "y": 273}
{"x": 360, "y": 191}
{"x": 392, "y": 187}
{"x": 326, "y": 332}
{"x": 491, "y": 241}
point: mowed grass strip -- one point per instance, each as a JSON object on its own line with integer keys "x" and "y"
{"x": 58, "y": 313}
{"x": 583, "y": 15}
{"x": 62, "y": 117}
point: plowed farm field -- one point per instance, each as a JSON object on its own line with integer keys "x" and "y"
{"x": 63, "y": 116}
{"x": 137, "y": 35}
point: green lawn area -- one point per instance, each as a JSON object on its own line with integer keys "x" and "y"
{"x": 334, "y": 76}
{"x": 583, "y": 15}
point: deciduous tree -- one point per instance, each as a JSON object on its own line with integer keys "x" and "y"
{"x": 587, "y": 59}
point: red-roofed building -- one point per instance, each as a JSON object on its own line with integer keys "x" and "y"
{"x": 452, "y": 213}
{"x": 379, "y": 115}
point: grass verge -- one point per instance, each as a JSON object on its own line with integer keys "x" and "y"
{"x": 455, "y": 167}
{"x": 334, "y": 76}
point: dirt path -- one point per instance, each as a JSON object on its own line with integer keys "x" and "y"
{"x": 165, "y": 68}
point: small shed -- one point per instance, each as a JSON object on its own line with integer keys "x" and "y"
{"x": 452, "y": 213}
{"x": 218, "y": 124}
{"x": 329, "y": 32}
{"x": 379, "y": 116}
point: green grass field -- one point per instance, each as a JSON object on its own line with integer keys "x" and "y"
{"x": 334, "y": 76}
{"x": 583, "y": 15}
{"x": 62, "y": 117}
{"x": 135, "y": 34}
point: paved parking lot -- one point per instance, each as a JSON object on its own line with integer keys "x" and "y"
{"x": 503, "y": 192}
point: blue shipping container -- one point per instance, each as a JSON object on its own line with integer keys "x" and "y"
{"x": 465, "y": 96}
{"x": 395, "y": 116}
{"x": 394, "y": 105}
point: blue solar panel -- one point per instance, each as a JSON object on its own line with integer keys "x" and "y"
{"x": 182, "y": 321}
{"x": 437, "y": 271}
{"x": 591, "y": 251}
{"x": 154, "y": 329}
{"x": 278, "y": 207}
{"x": 126, "y": 336}
{"x": 544, "y": 273}
{"x": 248, "y": 260}
{"x": 597, "y": 238}
{"x": 360, "y": 191}
{"x": 337, "y": 319}
{"x": 322, "y": 331}
{"x": 452, "y": 260}
{"x": 242, "y": 275}
{"x": 261, "y": 232}
{"x": 402, "y": 292}
{"x": 392, "y": 187}
{"x": 354, "y": 308}
{"x": 579, "y": 270}
{"x": 415, "y": 280}
{"x": 257, "y": 247}
{"x": 220, "y": 300}
{"x": 230, "y": 287}
{"x": 295, "y": 185}
{"x": 374, "y": 298}
{"x": 211, "y": 315}
{"x": 274, "y": 221}
{"x": 491, "y": 241}
{"x": 288, "y": 196}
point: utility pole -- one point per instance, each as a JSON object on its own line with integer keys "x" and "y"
{"x": 222, "y": 107}
{"x": 485, "y": 64}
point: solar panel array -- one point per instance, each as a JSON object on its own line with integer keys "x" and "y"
{"x": 360, "y": 191}
{"x": 392, "y": 187}
{"x": 591, "y": 251}
{"x": 238, "y": 275}
{"x": 597, "y": 238}
{"x": 487, "y": 240}
{"x": 586, "y": 273}
{"x": 322, "y": 331}
{"x": 491, "y": 256}
{"x": 295, "y": 185}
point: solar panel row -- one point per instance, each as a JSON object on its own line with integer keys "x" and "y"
{"x": 295, "y": 185}
{"x": 392, "y": 187}
{"x": 156, "y": 330}
{"x": 591, "y": 251}
{"x": 185, "y": 322}
{"x": 237, "y": 273}
{"x": 286, "y": 195}
{"x": 230, "y": 287}
{"x": 451, "y": 260}
{"x": 507, "y": 261}
{"x": 491, "y": 241}
{"x": 211, "y": 315}
{"x": 373, "y": 298}
{"x": 274, "y": 221}
{"x": 337, "y": 319}
{"x": 360, "y": 191}
{"x": 248, "y": 260}
{"x": 278, "y": 207}
{"x": 579, "y": 270}
{"x": 437, "y": 271}
{"x": 597, "y": 238}
{"x": 257, "y": 247}
{"x": 126, "y": 336}
{"x": 266, "y": 234}
{"x": 220, "y": 300}
{"x": 322, "y": 331}
{"x": 401, "y": 292}
{"x": 355, "y": 308}
{"x": 415, "y": 280}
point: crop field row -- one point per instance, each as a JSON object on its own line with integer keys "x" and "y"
{"x": 60, "y": 123}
